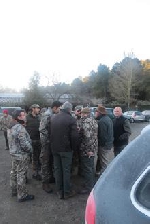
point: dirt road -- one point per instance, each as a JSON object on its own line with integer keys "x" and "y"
{"x": 46, "y": 208}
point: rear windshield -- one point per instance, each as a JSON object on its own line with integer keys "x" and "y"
{"x": 138, "y": 113}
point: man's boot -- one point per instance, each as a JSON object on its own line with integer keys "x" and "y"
{"x": 46, "y": 188}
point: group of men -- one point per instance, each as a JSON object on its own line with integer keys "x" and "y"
{"x": 54, "y": 137}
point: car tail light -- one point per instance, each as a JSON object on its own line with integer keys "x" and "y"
{"x": 90, "y": 211}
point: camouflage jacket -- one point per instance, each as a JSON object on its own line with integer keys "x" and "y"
{"x": 5, "y": 122}
{"x": 19, "y": 140}
{"x": 88, "y": 135}
{"x": 45, "y": 127}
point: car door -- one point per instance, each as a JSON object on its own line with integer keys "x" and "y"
{"x": 115, "y": 189}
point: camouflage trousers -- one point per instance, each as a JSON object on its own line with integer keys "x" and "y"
{"x": 18, "y": 175}
{"x": 46, "y": 163}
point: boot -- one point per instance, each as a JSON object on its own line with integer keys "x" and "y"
{"x": 46, "y": 188}
{"x": 27, "y": 198}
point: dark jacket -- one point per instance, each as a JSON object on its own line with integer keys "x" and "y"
{"x": 105, "y": 131}
{"x": 64, "y": 134}
{"x": 122, "y": 131}
{"x": 32, "y": 126}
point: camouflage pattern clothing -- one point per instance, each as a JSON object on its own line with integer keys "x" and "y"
{"x": 76, "y": 154}
{"x": 20, "y": 147}
{"x": 4, "y": 124}
{"x": 88, "y": 135}
{"x": 46, "y": 154}
{"x": 89, "y": 143}
{"x": 32, "y": 127}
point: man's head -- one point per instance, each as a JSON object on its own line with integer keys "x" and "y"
{"x": 19, "y": 115}
{"x": 101, "y": 110}
{"x": 67, "y": 107}
{"x": 5, "y": 113}
{"x": 78, "y": 113}
{"x": 117, "y": 111}
{"x": 35, "y": 108}
{"x": 85, "y": 112}
{"x": 56, "y": 107}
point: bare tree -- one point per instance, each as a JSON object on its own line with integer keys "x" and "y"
{"x": 121, "y": 85}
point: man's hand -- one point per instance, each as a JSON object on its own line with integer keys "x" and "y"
{"x": 90, "y": 154}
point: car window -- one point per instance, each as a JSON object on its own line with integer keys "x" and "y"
{"x": 129, "y": 112}
{"x": 109, "y": 110}
{"x": 138, "y": 113}
{"x": 140, "y": 192}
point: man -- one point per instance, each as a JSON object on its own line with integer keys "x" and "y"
{"x": 122, "y": 131}
{"x": 64, "y": 138}
{"x": 88, "y": 149}
{"x": 46, "y": 154}
{"x": 76, "y": 158}
{"x": 20, "y": 147}
{"x": 32, "y": 126}
{"x": 4, "y": 124}
{"x": 105, "y": 137}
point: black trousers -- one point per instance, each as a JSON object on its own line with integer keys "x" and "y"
{"x": 62, "y": 169}
{"x": 6, "y": 139}
{"x": 36, "y": 145}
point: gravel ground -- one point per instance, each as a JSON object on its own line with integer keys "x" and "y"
{"x": 46, "y": 208}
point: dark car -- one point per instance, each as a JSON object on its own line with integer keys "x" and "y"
{"x": 10, "y": 110}
{"x": 109, "y": 111}
{"x": 122, "y": 193}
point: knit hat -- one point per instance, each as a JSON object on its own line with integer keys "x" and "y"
{"x": 101, "y": 109}
{"x": 85, "y": 110}
{"x": 5, "y": 111}
{"x": 17, "y": 113}
{"x": 67, "y": 106}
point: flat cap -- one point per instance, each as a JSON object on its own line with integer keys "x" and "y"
{"x": 85, "y": 110}
{"x": 35, "y": 106}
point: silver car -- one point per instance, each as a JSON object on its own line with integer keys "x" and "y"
{"x": 146, "y": 113}
{"x": 134, "y": 116}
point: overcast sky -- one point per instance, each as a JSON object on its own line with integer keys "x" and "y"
{"x": 68, "y": 37}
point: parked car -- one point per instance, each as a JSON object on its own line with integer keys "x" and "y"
{"x": 134, "y": 116}
{"x": 109, "y": 111}
{"x": 146, "y": 113}
{"x": 122, "y": 193}
{"x": 10, "y": 110}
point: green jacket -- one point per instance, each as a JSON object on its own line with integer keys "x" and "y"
{"x": 105, "y": 131}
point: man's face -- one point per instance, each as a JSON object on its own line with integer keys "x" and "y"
{"x": 56, "y": 110}
{"x": 84, "y": 115}
{"x": 22, "y": 116}
{"x": 36, "y": 110}
{"x": 117, "y": 112}
{"x": 78, "y": 113}
{"x": 96, "y": 114}
{"x": 5, "y": 114}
